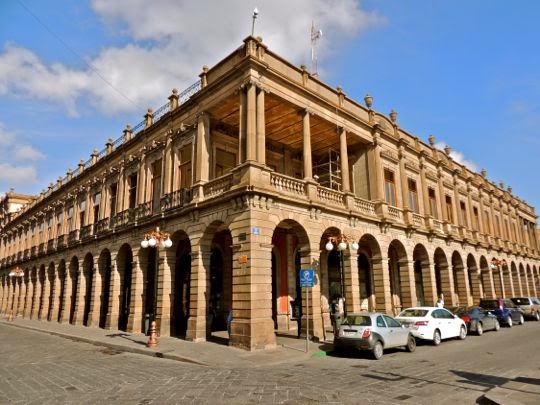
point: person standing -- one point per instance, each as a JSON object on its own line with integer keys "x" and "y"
{"x": 440, "y": 301}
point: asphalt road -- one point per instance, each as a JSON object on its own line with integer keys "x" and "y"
{"x": 38, "y": 368}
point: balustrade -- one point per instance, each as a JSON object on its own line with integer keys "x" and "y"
{"x": 287, "y": 185}
{"x": 330, "y": 196}
{"x": 218, "y": 186}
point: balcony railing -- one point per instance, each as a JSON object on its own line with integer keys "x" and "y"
{"x": 102, "y": 226}
{"x": 73, "y": 237}
{"x": 61, "y": 242}
{"x": 418, "y": 220}
{"x": 330, "y": 196}
{"x": 364, "y": 206}
{"x": 87, "y": 231}
{"x": 51, "y": 246}
{"x": 176, "y": 199}
{"x": 394, "y": 213}
{"x": 41, "y": 249}
{"x": 287, "y": 185}
{"x": 218, "y": 186}
{"x": 143, "y": 210}
{"x": 124, "y": 218}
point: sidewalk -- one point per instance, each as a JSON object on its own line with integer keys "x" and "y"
{"x": 210, "y": 353}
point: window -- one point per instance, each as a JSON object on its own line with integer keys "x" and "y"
{"x": 59, "y": 220}
{"x": 49, "y": 227}
{"x": 132, "y": 190}
{"x": 391, "y": 322}
{"x": 433, "y": 203}
{"x": 380, "y": 322}
{"x": 156, "y": 185}
{"x": 97, "y": 204}
{"x": 184, "y": 169}
{"x": 113, "y": 191}
{"x": 225, "y": 162}
{"x": 82, "y": 213}
{"x": 487, "y": 222}
{"x": 413, "y": 196}
{"x": 476, "y": 219}
{"x": 463, "y": 214}
{"x": 389, "y": 187}
{"x": 69, "y": 223}
{"x": 449, "y": 209}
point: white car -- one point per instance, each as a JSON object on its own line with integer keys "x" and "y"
{"x": 432, "y": 323}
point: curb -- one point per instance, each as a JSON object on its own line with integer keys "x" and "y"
{"x": 120, "y": 348}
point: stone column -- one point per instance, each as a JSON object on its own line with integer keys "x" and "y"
{"x": 408, "y": 284}
{"x": 381, "y": 285}
{"x": 242, "y": 118}
{"x": 66, "y": 298}
{"x": 137, "y": 292}
{"x": 310, "y": 260}
{"x": 261, "y": 128}
{"x": 487, "y": 278}
{"x": 29, "y": 296}
{"x": 141, "y": 180}
{"x": 45, "y": 297}
{"x": 430, "y": 285}
{"x": 352, "y": 284}
{"x": 36, "y": 298}
{"x": 306, "y": 134}
{"x": 202, "y": 154}
{"x": 508, "y": 284}
{"x": 16, "y": 295}
{"x": 54, "y": 300}
{"x": 2, "y": 292}
{"x": 517, "y": 283}
{"x": 251, "y": 127}
{"x": 113, "y": 312}
{"x": 78, "y": 313}
{"x": 447, "y": 285}
{"x": 425, "y": 210}
{"x": 344, "y": 161}
{"x": 462, "y": 287}
{"x": 403, "y": 178}
{"x": 164, "y": 290}
{"x": 324, "y": 290}
{"x": 200, "y": 273}
{"x": 375, "y": 168}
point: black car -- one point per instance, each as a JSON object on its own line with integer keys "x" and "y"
{"x": 506, "y": 311}
{"x": 477, "y": 319}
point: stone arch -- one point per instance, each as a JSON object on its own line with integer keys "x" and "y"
{"x": 103, "y": 282}
{"x": 124, "y": 267}
{"x": 180, "y": 284}
{"x": 461, "y": 281}
{"x": 401, "y": 288}
{"x": 486, "y": 278}
{"x": 443, "y": 279}
{"x": 74, "y": 277}
{"x": 88, "y": 275}
{"x": 424, "y": 279}
{"x": 290, "y": 243}
{"x": 369, "y": 263}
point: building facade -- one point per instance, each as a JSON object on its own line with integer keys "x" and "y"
{"x": 254, "y": 172}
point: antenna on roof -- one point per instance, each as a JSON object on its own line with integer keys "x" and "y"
{"x": 254, "y": 17}
{"x": 316, "y": 34}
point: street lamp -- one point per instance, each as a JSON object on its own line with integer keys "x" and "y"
{"x": 155, "y": 239}
{"x": 340, "y": 243}
{"x": 495, "y": 263}
{"x": 255, "y": 14}
{"x": 17, "y": 273}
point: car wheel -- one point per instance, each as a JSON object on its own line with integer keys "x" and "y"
{"x": 521, "y": 320}
{"x": 497, "y": 326}
{"x": 377, "y": 350}
{"x": 462, "y": 332}
{"x": 537, "y": 316}
{"x": 411, "y": 344}
{"x": 479, "y": 329}
{"x": 509, "y": 321}
{"x": 437, "y": 337}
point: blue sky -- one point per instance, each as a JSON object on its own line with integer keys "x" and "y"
{"x": 74, "y": 73}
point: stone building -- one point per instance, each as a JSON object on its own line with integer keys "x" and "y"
{"x": 254, "y": 172}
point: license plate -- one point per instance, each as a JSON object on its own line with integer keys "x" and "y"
{"x": 348, "y": 333}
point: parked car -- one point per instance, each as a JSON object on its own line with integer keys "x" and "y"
{"x": 432, "y": 323}
{"x": 374, "y": 332}
{"x": 529, "y": 305}
{"x": 506, "y": 311}
{"x": 477, "y": 319}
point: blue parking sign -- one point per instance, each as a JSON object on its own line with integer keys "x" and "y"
{"x": 307, "y": 277}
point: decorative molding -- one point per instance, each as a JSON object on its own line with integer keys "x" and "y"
{"x": 412, "y": 166}
{"x": 389, "y": 155}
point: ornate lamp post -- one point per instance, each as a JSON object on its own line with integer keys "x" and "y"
{"x": 155, "y": 239}
{"x": 497, "y": 264}
{"x": 341, "y": 243}
{"x": 17, "y": 273}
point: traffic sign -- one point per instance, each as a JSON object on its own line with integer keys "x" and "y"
{"x": 307, "y": 277}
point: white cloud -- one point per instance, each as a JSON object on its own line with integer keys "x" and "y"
{"x": 172, "y": 40}
{"x": 27, "y": 152}
{"x": 17, "y": 175}
{"x": 459, "y": 157}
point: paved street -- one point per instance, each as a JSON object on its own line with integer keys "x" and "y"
{"x": 39, "y": 368}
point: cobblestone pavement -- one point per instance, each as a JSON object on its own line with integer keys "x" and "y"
{"x": 38, "y": 368}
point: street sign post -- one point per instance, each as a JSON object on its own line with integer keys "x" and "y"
{"x": 307, "y": 280}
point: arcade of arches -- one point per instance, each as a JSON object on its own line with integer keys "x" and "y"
{"x": 191, "y": 287}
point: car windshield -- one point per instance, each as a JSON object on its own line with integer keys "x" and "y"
{"x": 489, "y": 304}
{"x": 414, "y": 313}
{"x": 520, "y": 301}
{"x": 357, "y": 320}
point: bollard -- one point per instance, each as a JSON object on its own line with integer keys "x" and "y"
{"x": 152, "y": 340}
{"x": 10, "y": 316}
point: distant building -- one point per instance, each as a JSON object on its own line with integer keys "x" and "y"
{"x": 254, "y": 172}
{"x": 10, "y": 203}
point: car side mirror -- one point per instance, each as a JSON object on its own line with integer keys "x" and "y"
{"x": 456, "y": 317}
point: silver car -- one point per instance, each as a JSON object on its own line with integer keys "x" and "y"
{"x": 529, "y": 305}
{"x": 374, "y": 332}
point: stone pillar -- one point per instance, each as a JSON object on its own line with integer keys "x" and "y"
{"x": 252, "y": 327}
{"x": 202, "y": 154}
{"x": 242, "y": 117}
{"x": 462, "y": 288}
{"x": 408, "y": 284}
{"x": 78, "y": 313}
{"x": 352, "y": 284}
{"x": 16, "y": 295}
{"x": 325, "y": 290}
{"x": 375, "y": 168}
{"x": 381, "y": 285}
{"x": 310, "y": 260}
{"x": 168, "y": 166}
{"x": 261, "y": 128}
{"x": 200, "y": 273}
{"x": 487, "y": 278}
{"x": 507, "y": 280}
{"x": 425, "y": 210}
{"x": 113, "y": 312}
{"x": 2, "y": 292}
{"x": 66, "y": 297}
{"x": 141, "y": 180}
{"x": 36, "y": 299}
{"x": 430, "y": 285}
{"x": 54, "y": 299}
{"x": 29, "y": 297}
{"x": 164, "y": 290}
{"x": 137, "y": 292}
{"x": 95, "y": 297}
{"x": 403, "y": 179}
{"x": 306, "y": 133}
{"x": 344, "y": 161}
{"x": 517, "y": 283}
{"x": 498, "y": 283}
{"x": 45, "y": 297}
